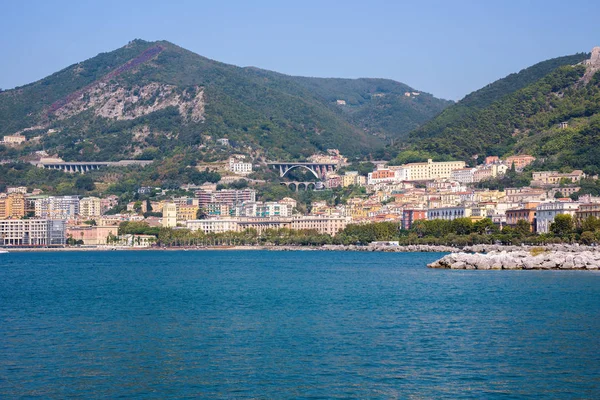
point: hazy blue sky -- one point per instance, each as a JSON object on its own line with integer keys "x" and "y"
{"x": 448, "y": 48}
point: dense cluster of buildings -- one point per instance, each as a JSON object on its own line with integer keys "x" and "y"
{"x": 402, "y": 194}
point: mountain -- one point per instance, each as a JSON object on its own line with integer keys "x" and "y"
{"x": 522, "y": 114}
{"x": 152, "y": 100}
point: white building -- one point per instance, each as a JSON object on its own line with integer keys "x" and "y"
{"x": 449, "y": 213}
{"x": 239, "y": 167}
{"x": 429, "y": 170}
{"x": 463, "y": 175}
{"x": 57, "y": 207}
{"x": 32, "y": 232}
{"x": 546, "y": 212}
{"x": 212, "y": 225}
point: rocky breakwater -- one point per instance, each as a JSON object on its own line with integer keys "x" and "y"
{"x": 563, "y": 260}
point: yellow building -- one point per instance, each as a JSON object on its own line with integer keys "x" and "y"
{"x": 90, "y": 207}
{"x": 186, "y": 213}
{"x": 432, "y": 170}
{"x": 12, "y": 206}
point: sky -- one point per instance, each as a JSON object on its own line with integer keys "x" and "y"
{"x": 447, "y": 48}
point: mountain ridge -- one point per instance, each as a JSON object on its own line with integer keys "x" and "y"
{"x": 283, "y": 115}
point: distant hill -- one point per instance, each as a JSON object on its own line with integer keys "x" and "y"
{"x": 522, "y": 114}
{"x": 153, "y": 100}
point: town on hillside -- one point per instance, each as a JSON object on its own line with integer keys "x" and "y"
{"x": 340, "y": 197}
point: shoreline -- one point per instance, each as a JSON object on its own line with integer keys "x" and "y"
{"x": 472, "y": 249}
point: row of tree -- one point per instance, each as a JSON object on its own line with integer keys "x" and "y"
{"x": 458, "y": 232}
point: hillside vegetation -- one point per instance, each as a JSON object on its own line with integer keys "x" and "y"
{"x": 513, "y": 116}
{"x": 152, "y": 100}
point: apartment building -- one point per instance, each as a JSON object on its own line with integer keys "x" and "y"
{"x": 32, "y": 232}
{"x": 546, "y": 212}
{"x": 227, "y": 196}
{"x": 432, "y": 170}
{"x": 57, "y": 207}
{"x": 90, "y": 207}
{"x": 449, "y": 213}
{"x": 12, "y": 205}
{"x": 463, "y": 175}
{"x": 519, "y": 161}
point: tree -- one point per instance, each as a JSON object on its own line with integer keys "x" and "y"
{"x": 523, "y": 227}
{"x": 85, "y": 182}
{"x": 587, "y": 238}
{"x": 558, "y": 195}
{"x": 563, "y": 225}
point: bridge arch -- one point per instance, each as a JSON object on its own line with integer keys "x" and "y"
{"x": 300, "y": 166}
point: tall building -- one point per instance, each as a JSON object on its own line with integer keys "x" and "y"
{"x": 57, "y": 207}
{"x": 12, "y": 206}
{"x": 90, "y": 207}
{"x": 169, "y": 213}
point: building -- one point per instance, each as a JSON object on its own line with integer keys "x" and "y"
{"x": 323, "y": 224}
{"x": 226, "y": 196}
{"x": 543, "y": 178}
{"x": 482, "y": 174}
{"x": 239, "y": 167}
{"x": 430, "y": 170}
{"x": 492, "y": 160}
{"x": 92, "y": 235}
{"x": 381, "y": 176}
{"x": 527, "y": 213}
{"x": 90, "y": 207}
{"x": 588, "y": 210}
{"x": 169, "y": 214}
{"x": 32, "y": 232}
{"x": 12, "y": 206}
{"x": 449, "y": 213}
{"x": 520, "y": 161}
{"x": 19, "y": 189}
{"x": 525, "y": 195}
{"x": 57, "y": 207}
{"x": 410, "y": 215}
{"x": 212, "y": 225}
{"x": 187, "y": 212}
{"x": 352, "y": 178}
{"x": 223, "y": 141}
{"x": 546, "y": 212}
{"x": 135, "y": 240}
{"x": 13, "y": 140}
{"x": 463, "y": 175}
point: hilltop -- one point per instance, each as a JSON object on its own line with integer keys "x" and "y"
{"x": 154, "y": 100}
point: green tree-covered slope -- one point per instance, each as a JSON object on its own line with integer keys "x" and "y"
{"x": 154, "y": 99}
{"x": 525, "y": 120}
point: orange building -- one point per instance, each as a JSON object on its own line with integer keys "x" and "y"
{"x": 12, "y": 206}
{"x": 520, "y": 161}
{"x": 527, "y": 213}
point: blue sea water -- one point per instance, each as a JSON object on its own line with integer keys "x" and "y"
{"x": 256, "y": 324}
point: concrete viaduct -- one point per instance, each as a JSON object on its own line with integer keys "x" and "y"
{"x": 319, "y": 170}
{"x": 83, "y": 167}
{"x": 297, "y": 186}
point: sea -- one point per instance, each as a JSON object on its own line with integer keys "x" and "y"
{"x": 292, "y": 325}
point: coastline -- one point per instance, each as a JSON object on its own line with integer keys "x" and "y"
{"x": 481, "y": 249}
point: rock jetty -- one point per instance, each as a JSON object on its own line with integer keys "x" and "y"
{"x": 540, "y": 259}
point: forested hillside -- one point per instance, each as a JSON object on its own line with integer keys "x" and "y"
{"x": 152, "y": 100}
{"x": 527, "y": 120}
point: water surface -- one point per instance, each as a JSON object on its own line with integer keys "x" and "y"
{"x": 256, "y": 324}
